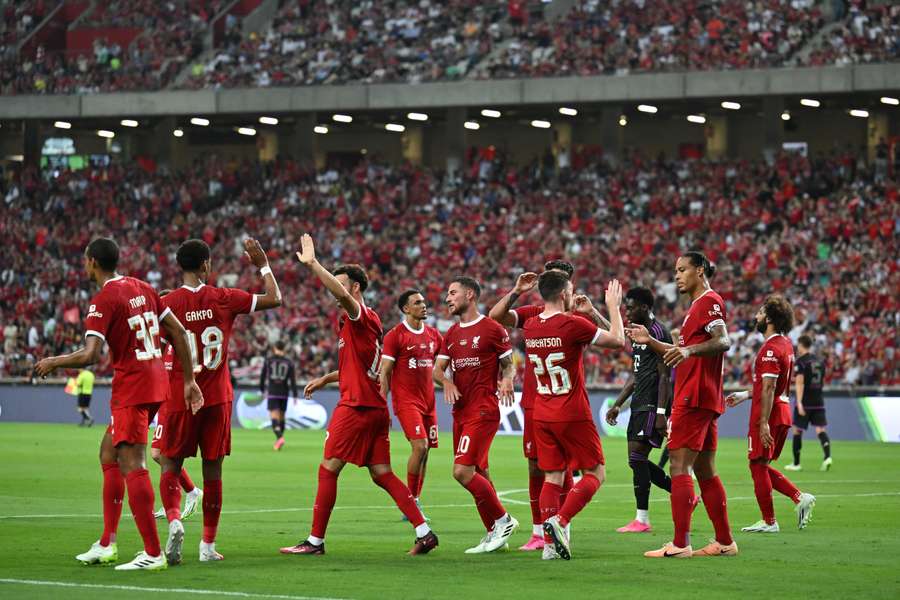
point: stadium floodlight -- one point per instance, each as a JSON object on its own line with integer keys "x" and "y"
{"x": 62, "y": 125}
{"x": 178, "y": 133}
{"x": 416, "y": 116}
{"x": 810, "y": 102}
{"x": 473, "y": 125}
{"x": 268, "y": 120}
{"x": 342, "y": 118}
{"x": 199, "y": 121}
{"x": 246, "y": 131}
{"x": 491, "y": 113}
{"x": 889, "y": 100}
{"x": 623, "y": 120}
{"x": 731, "y": 105}
{"x": 858, "y": 112}
{"x": 569, "y": 112}
{"x": 699, "y": 119}
{"x": 785, "y": 116}
{"x": 320, "y": 129}
{"x": 395, "y": 127}
{"x": 128, "y": 123}
{"x": 540, "y": 124}
{"x": 647, "y": 108}
{"x": 105, "y": 133}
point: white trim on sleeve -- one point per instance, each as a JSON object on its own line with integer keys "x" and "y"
{"x": 775, "y": 375}
{"x": 515, "y": 318}
{"x": 388, "y": 357}
{"x": 362, "y": 307}
{"x": 505, "y": 354}
{"x": 253, "y": 302}
{"x": 443, "y": 356}
{"x": 96, "y": 333}
{"x": 712, "y": 324}
{"x": 596, "y": 336}
{"x": 168, "y": 311}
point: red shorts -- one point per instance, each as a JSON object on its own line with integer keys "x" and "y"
{"x": 529, "y": 446}
{"x": 472, "y": 442}
{"x": 360, "y": 436}
{"x": 567, "y": 445}
{"x": 129, "y": 425}
{"x": 418, "y": 425}
{"x": 693, "y": 428}
{"x": 755, "y": 448}
{"x": 181, "y": 432}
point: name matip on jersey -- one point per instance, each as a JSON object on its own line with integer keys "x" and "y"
{"x": 359, "y": 359}
{"x": 698, "y": 379}
{"x": 413, "y": 352}
{"x": 125, "y": 314}
{"x": 474, "y": 350}
{"x": 774, "y": 360}
{"x": 646, "y": 370}
{"x": 207, "y": 313}
{"x": 554, "y": 345}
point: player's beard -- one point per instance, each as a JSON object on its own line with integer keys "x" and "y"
{"x": 761, "y": 326}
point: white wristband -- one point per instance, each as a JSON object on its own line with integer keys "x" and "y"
{"x": 660, "y": 410}
{"x": 266, "y": 270}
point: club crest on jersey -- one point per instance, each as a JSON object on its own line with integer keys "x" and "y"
{"x": 475, "y": 341}
{"x": 431, "y": 346}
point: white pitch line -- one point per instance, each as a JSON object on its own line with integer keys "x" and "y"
{"x": 134, "y": 588}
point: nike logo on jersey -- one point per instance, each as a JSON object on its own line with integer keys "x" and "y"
{"x": 410, "y": 347}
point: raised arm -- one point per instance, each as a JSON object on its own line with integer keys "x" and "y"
{"x": 307, "y": 256}
{"x": 83, "y": 357}
{"x": 615, "y": 337}
{"x": 255, "y": 254}
{"x": 502, "y": 310}
{"x": 178, "y": 337}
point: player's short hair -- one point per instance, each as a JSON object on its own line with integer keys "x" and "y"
{"x": 404, "y": 298}
{"x": 280, "y": 345}
{"x": 192, "y": 254}
{"x": 551, "y": 284}
{"x": 641, "y": 295}
{"x": 355, "y": 273}
{"x": 779, "y": 312}
{"x": 560, "y": 265}
{"x": 698, "y": 259}
{"x": 468, "y": 282}
{"x": 805, "y": 341}
{"x": 105, "y": 252}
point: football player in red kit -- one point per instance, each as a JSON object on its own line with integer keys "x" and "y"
{"x": 126, "y": 314}
{"x": 770, "y": 415}
{"x": 359, "y": 430}
{"x": 698, "y": 358}
{"x": 407, "y": 364}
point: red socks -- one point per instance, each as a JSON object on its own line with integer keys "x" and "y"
{"x": 212, "y": 508}
{"x": 414, "y": 483}
{"x": 762, "y": 486}
{"x": 186, "y": 483}
{"x": 140, "y": 499}
{"x": 113, "y": 493}
{"x": 325, "y": 497}
{"x": 535, "y": 495}
{"x": 550, "y": 501}
{"x": 682, "y": 500}
{"x": 578, "y": 498}
{"x": 402, "y": 497}
{"x": 713, "y": 493}
{"x": 486, "y": 501}
{"x": 783, "y": 485}
{"x": 568, "y": 484}
{"x": 170, "y": 494}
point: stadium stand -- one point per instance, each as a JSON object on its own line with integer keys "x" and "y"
{"x": 824, "y": 231}
{"x": 866, "y": 35}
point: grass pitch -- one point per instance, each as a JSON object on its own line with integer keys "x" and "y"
{"x": 51, "y": 473}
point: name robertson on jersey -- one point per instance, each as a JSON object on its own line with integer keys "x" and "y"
{"x": 552, "y": 342}
{"x": 198, "y": 315}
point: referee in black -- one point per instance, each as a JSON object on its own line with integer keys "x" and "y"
{"x": 278, "y": 383}
{"x": 810, "y": 406}
{"x": 650, "y": 389}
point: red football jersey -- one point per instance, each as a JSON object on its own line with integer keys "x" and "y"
{"x": 125, "y": 314}
{"x": 775, "y": 359}
{"x": 359, "y": 359}
{"x": 413, "y": 352}
{"x": 207, "y": 313}
{"x": 474, "y": 350}
{"x": 529, "y": 387}
{"x": 698, "y": 380}
{"x": 555, "y": 347}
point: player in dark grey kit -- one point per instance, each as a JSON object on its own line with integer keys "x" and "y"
{"x": 278, "y": 384}
{"x": 650, "y": 389}
{"x": 810, "y": 406}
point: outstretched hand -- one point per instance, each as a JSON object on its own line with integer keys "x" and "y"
{"x": 307, "y": 254}
{"x": 254, "y": 253}
{"x": 526, "y": 282}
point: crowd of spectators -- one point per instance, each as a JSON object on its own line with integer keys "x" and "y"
{"x": 823, "y": 231}
{"x": 866, "y": 35}
{"x": 362, "y": 41}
